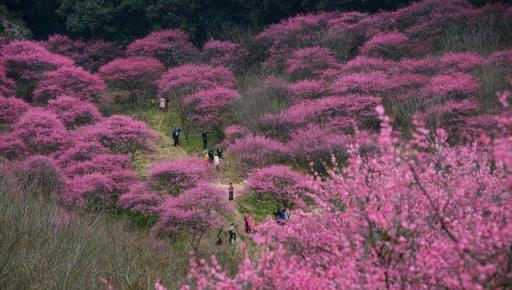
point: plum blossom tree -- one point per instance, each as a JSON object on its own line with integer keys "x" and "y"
{"x": 74, "y": 112}
{"x": 210, "y": 108}
{"x": 186, "y": 80}
{"x": 6, "y": 85}
{"x": 71, "y": 81}
{"x": 234, "y": 132}
{"x": 140, "y": 200}
{"x": 38, "y": 175}
{"x": 307, "y": 89}
{"x": 177, "y": 175}
{"x": 391, "y": 45}
{"x": 456, "y": 85}
{"x": 309, "y": 63}
{"x": 194, "y": 211}
{"x": 11, "y": 109}
{"x": 11, "y": 147}
{"x": 224, "y": 53}
{"x": 314, "y": 147}
{"x": 120, "y": 134}
{"x": 280, "y": 184}
{"x": 132, "y": 79}
{"x": 41, "y": 132}
{"x": 171, "y": 47}
{"x": 256, "y": 151}
{"x": 419, "y": 214}
{"x": 79, "y": 151}
{"x": 89, "y": 54}
{"x": 26, "y": 61}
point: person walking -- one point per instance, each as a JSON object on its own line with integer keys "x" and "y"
{"x": 205, "y": 139}
{"x": 232, "y": 234}
{"x": 216, "y": 162}
{"x": 219, "y": 152}
{"x": 231, "y": 191}
{"x": 210, "y": 156}
{"x": 164, "y": 104}
{"x": 247, "y": 223}
{"x": 176, "y": 136}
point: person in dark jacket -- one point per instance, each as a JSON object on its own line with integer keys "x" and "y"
{"x": 205, "y": 139}
{"x": 176, "y": 136}
{"x": 231, "y": 191}
{"x": 210, "y": 156}
{"x": 219, "y": 152}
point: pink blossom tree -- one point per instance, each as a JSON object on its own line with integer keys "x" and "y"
{"x": 41, "y": 132}
{"x": 314, "y": 147}
{"x": 391, "y": 45}
{"x": 210, "y": 108}
{"x": 120, "y": 134}
{"x": 6, "y": 84}
{"x": 256, "y": 151}
{"x": 26, "y": 61}
{"x": 11, "y": 109}
{"x": 177, "y": 175}
{"x": 234, "y": 132}
{"x": 12, "y": 147}
{"x": 224, "y": 53}
{"x": 307, "y": 89}
{"x": 309, "y": 63}
{"x": 71, "y": 81}
{"x": 80, "y": 151}
{"x": 171, "y": 47}
{"x": 186, "y": 80}
{"x": 38, "y": 175}
{"x": 132, "y": 79}
{"x": 419, "y": 214}
{"x": 456, "y": 85}
{"x": 140, "y": 200}
{"x": 89, "y": 54}
{"x": 74, "y": 112}
{"x": 280, "y": 184}
{"x": 195, "y": 211}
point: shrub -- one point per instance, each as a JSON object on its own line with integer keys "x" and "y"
{"x": 210, "y": 108}
{"x": 26, "y": 61}
{"x": 224, "y": 53}
{"x": 71, "y": 81}
{"x": 256, "y": 151}
{"x": 308, "y": 63}
{"x": 171, "y": 47}
{"x": 11, "y": 109}
{"x": 133, "y": 78}
{"x": 391, "y": 45}
{"x": 195, "y": 211}
{"x": 177, "y": 175}
{"x": 74, "y": 112}
{"x": 38, "y": 175}
{"x": 41, "y": 132}
{"x": 120, "y": 134}
{"x": 460, "y": 62}
{"x": 366, "y": 64}
{"x": 89, "y": 54}
{"x": 280, "y": 183}
{"x": 140, "y": 200}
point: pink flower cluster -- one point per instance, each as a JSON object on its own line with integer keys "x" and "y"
{"x": 224, "y": 53}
